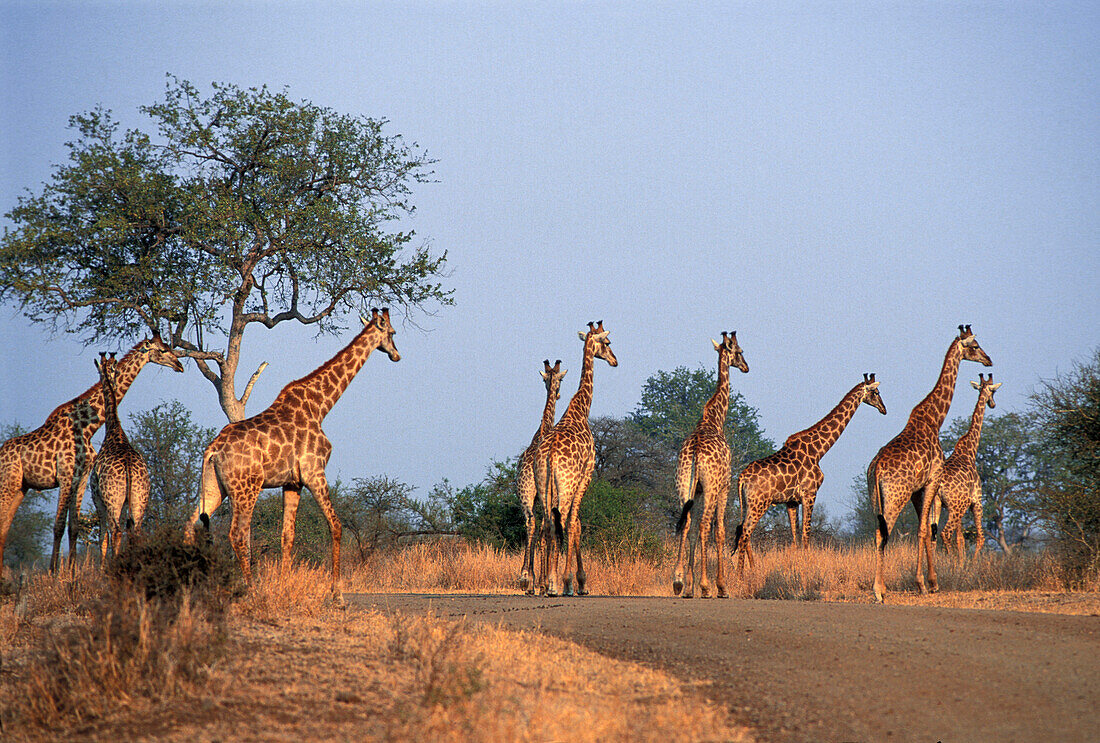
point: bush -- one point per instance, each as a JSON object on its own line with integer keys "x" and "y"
{"x": 162, "y": 568}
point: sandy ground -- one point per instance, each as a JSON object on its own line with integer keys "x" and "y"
{"x": 816, "y": 671}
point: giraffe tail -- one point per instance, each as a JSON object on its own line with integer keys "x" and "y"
{"x": 878, "y": 504}
{"x": 686, "y": 510}
{"x": 741, "y": 503}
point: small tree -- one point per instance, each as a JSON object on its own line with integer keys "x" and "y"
{"x": 1067, "y": 412}
{"x": 246, "y": 208}
{"x": 489, "y": 511}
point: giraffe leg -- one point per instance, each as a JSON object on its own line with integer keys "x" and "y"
{"x": 705, "y": 523}
{"x": 101, "y": 513}
{"x": 952, "y": 531}
{"x": 807, "y": 514}
{"x": 527, "y": 501}
{"x": 722, "y": 491}
{"x": 684, "y": 486}
{"x": 792, "y": 515}
{"x": 318, "y": 485}
{"x": 291, "y": 496}
{"x": 582, "y": 577}
{"x": 893, "y": 498}
{"x": 139, "y": 496}
{"x": 922, "y": 501}
{"x": 809, "y": 497}
{"x": 240, "y": 527}
{"x": 11, "y": 491}
{"x": 743, "y": 538}
{"x": 64, "y": 494}
{"x": 977, "y": 507}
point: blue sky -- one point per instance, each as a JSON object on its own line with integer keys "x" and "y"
{"x": 841, "y": 184}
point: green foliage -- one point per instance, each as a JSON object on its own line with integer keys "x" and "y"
{"x": 246, "y": 207}
{"x": 611, "y": 523}
{"x": 312, "y": 542}
{"x": 1067, "y": 413}
{"x": 672, "y": 404}
{"x": 490, "y": 511}
{"x": 173, "y": 445}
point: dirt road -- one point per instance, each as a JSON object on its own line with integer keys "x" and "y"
{"x": 813, "y": 671}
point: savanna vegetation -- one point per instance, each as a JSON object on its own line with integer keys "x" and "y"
{"x": 246, "y": 208}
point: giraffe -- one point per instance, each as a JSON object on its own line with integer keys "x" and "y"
{"x": 906, "y": 468}
{"x": 58, "y": 454}
{"x": 119, "y": 474}
{"x": 960, "y": 486}
{"x": 703, "y": 469}
{"x": 284, "y": 446}
{"x": 563, "y": 468}
{"x": 793, "y": 474}
{"x": 551, "y": 376}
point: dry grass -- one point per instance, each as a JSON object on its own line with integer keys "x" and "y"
{"x": 842, "y": 573}
{"x": 85, "y": 659}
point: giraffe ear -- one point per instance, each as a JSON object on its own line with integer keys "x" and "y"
{"x": 563, "y": 373}
{"x": 995, "y": 387}
{"x": 716, "y": 345}
{"x": 581, "y": 335}
{"x": 975, "y": 385}
{"x": 873, "y": 386}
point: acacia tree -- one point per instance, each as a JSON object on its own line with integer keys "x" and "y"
{"x": 245, "y": 208}
{"x": 1067, "y": 413}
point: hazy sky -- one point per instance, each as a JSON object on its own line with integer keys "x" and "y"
{"x": 841, "y": 184}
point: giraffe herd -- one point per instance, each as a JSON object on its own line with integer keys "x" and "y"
{"x": 285, "y": 447}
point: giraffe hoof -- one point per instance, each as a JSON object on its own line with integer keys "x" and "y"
{"x": 688, "y": 595}
{"x": 723, "y": 593}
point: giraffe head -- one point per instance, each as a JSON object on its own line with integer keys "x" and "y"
{"x": 553, "y": 375}
{"x": 381, "y": 320}
{"x": 107, "y": 372}
{"x": 729, "y": 353}
{"x": 871, "y": 395}
{"x": 971, "y": 351}
{"x": 159, "y": 352}
{"x": 986, "y": 388}
{"x": 601, "y": 344}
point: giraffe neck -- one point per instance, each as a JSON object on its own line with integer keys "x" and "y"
{"x": 932, "y": 410}
{"x": 548, "y": 412}
{"x": 582, "y": 398}
{"x": 89, "y": 410}
{"x": 714, "y": 412}
{"x": 967, "y": 446}
{"x": 820, "y": 437}
{"x": 113, "y": 428}
{"x": 325, "y": 384}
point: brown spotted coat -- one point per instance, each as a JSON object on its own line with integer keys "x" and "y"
{"x": 792, "y": 475}
{"x": 903, "y": 470}
{"x": 58, "y": 454}
{"x": 563, "y": 469}
{"x": 703, "y": 471}
{"x": 284, "y": 447}
{"x": 551, "y": 377}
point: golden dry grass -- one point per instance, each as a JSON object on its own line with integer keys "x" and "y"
{"x": 286, "y": 664}
{"x": 841, "y": 573}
